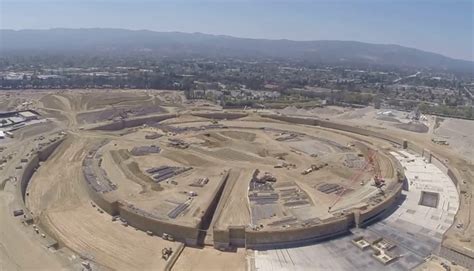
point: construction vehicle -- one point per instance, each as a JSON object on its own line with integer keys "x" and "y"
{"x": 378, "y": 181}
{"x": 168, "y": 237}
{"x": 309, "y": 170}
{"x": 400, "y": 176}
{"x": 166, "y": 253}
{"x": 313, "y": 168}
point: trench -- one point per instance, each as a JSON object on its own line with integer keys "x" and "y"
{"x": 209, "y": 216}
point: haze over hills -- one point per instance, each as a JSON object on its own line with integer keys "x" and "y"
{"x": 120, "y": 41}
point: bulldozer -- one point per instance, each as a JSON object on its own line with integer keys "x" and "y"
{"x": 166, "y": 253}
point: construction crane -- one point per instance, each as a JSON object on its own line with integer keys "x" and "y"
{"x": 378, "y": 180}
{"x": 356, "y": 177}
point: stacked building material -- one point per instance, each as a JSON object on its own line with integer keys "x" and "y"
{"x": 144, "y": 150}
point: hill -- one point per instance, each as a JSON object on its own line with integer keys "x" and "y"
{"x": 120, "y": 41}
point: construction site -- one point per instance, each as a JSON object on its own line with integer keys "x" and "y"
{"x": 164, "y": 187}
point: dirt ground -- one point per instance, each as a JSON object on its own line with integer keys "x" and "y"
{"x": 59, "y": 202}
{"x": 436, "y": 264}
{"x": 208, "y": 258}
{"x": 458, "y": 133}
{"x": 58, "y": 199}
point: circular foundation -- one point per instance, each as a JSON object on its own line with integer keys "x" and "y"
{"x": 239, "y": 182}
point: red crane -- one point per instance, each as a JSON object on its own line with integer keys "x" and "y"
{"x": 356, "y": 177}
{"x": 378, "y": 179}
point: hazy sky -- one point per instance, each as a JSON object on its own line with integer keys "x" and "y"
{"x": 442, "y": 26}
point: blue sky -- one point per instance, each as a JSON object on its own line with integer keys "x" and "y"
{"x": 441, "y": 26}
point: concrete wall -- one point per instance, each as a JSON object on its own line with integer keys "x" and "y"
{"x": 141, "y": 220}
{"x": 104, "y": 201}
{"x": 28, "y": 171}
{"x": 134, "y": 122}
{"x": 453, "y": 254}
{"x": 33, "y": 163}
{"x": 273, "y": 238}
{"x": 360, "y": 131}
{"x": 25, "y": 177}
{"x": 413, "y": 147}
{"x": 221, "y": 115}
{"x": 46, "y": 151}
{"x": 145, "y": 221}
{"x": 127, "y": 123}
{"x": 213, "y": 207}
{"x": 298, "y": 236}
{"x": 453, "y": 178}
{"x": 366, "y": 217}
{"x": 439, "y": 163}
{"x": 336, "y": 126}
{"x": 186, "y": 234}
{"x": 458, "y": 257}
{"x": 299, "y": 120}
{"x": 221, "y": 238}
{"x": 239, "y": 236}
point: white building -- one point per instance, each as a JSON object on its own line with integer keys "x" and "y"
{"x": 28, "y": 115}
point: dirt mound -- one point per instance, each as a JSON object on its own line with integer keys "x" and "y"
{"x": 52, "y": 101}
{"x": 134, "y": 169}
{"x": 213, "y": 140}
{"x": 120, "y": 155}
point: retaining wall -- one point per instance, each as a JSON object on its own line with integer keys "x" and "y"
{"x": 220, "y": 116}
{"x": 128, "y": 123}
{"x": 417, "y": 149}
{"x": 145, "y": 221}
{"x": 439, "y": 164}
{"x": 211, "y": 210}
{"x": 139, "y": 220}
{"x": 235, "y": 236}
{"x": 458, "y": 257}
{"x": 447, "y": 252}
{"x": 33, "y": 163}
{"x": 299, "y": 236}
{"x": 336, "y": 126}
{"x": 28, "y": 171}
{"x": 243, "y": 236}
{"x": 104, "y": 201}
{"x": 366, "y": 217}
{"x": 186, "y": 234}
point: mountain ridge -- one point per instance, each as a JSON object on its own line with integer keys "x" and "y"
{"x": 116, "y": 40}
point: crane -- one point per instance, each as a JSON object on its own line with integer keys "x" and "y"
{"x": 378, "y": 180}
{"x": 356, "y": 177}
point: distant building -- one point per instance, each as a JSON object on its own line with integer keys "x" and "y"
{"x": 28, "y": 115}
{"x": 16, "y": 120}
